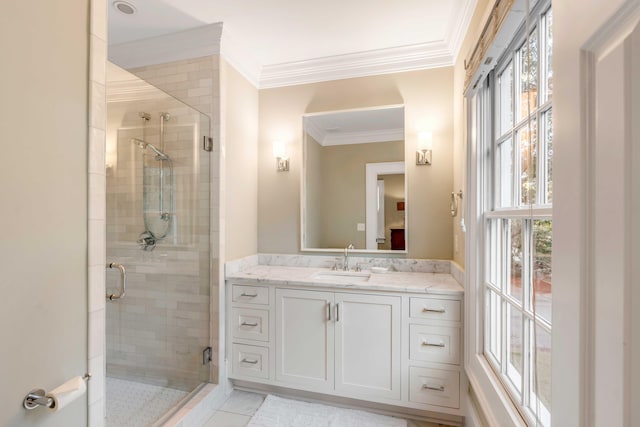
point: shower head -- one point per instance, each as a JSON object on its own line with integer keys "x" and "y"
{"x": 143, "y": 144}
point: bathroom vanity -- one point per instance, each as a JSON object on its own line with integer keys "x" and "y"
{"x": 393, "y": 338}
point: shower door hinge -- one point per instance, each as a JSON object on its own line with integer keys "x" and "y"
{"x": 207, "y": 143}
{"x": 206, "y": 355}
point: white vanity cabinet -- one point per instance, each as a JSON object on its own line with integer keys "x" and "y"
{"x": 334, "y": 341}
{"x": 397, "y": 348}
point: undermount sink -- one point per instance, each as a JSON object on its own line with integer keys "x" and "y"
{"x": 343, "y": 276}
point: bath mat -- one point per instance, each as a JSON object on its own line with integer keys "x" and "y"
{"x": 279, "y": 412}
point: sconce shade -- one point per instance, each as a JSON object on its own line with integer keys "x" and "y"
{"x": 279, "y": 149}
{"x": 425, "y": 141}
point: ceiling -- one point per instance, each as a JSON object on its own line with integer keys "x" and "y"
{"x": 278, "y": 34}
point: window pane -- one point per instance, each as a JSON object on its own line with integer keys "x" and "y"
{"x": 542, "y": 268}
{"x": 494, "y": 325}
{"x": 505, "y": 83}
{"x": 505, "y": 171}
{"x": 549, "y": 45}
{"x": 540, "y": 403}
{"x": 528, "y": 90}
{"x": 548, "y": 144}
{"x": 514, "y": 346}
{"x": 515, "y": 261}
{"x": 495, "y": 251}
{"x": 528, "y": 162}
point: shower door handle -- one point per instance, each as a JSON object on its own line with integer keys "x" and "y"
{"x": 123, "y": 281}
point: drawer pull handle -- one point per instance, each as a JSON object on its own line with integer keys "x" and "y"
{"x": 433, "y": 310}
{"x": 253, "y": 362}
{"x": 254, "y": 324}
{"x": 428, "y": 387}
{"x": 431, "y": 344}
{"x": 248, "y": 295}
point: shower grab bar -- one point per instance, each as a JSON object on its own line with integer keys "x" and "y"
{"x": 123, "y": 281}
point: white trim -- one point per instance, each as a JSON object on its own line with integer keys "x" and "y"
{"x": 189, "y": 44}
{"x": 381, "y": 61}
{"x": 132, "y": 90}
{"x": 458, "y": 28}
{"x": 372, "y": 170}
{"x": 346, "y": 138}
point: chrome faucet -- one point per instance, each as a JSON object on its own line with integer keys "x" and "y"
{"x": 345, "y": 266}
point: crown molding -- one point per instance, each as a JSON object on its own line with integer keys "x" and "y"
{"x": 364, "y": 137}
{"x": 458, "y": 28}
{"x": 381, "y": 61}
{"x": 188, "y": 44}
{"x": 132, "y": 90}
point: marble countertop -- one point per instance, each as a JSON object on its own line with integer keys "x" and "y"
{"x": 425, "y": 283}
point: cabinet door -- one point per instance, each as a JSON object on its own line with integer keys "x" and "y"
{"x": 304, "y": 338}
{"x": 367, "y": 331}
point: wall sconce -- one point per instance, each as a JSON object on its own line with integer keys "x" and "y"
{"x": 423, "y": 154}
{"x": 280, "y": 153}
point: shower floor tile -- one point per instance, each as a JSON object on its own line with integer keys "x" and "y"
{"x": 134, "y": 404}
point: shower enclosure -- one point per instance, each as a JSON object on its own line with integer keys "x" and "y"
{"x": 158, "y": 230}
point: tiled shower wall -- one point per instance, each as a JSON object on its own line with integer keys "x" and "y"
{"x": 196, "y": 82}
{"x": 157, "y": 333}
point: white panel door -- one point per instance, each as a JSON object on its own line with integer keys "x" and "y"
{"x": 368, "y": 345}
{"x": 304, "y": 338}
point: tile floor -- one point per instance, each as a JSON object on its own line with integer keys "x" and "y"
{"x": 134, "y": 404}
{"x": 241, "y": 405}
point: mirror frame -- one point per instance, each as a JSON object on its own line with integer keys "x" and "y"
{"x": 303, "y": 186}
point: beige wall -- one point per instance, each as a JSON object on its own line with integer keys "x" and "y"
{"x": 428, "y": 103}
{"x": 239, "y": 119}
{"x": 342, "y": 198}
{"x": 459, "y": 125}
{"x": 43, "y": 187}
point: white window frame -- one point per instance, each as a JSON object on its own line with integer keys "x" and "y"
{"x": 490, "y": 388}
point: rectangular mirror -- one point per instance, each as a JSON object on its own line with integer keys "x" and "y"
{"x": 353, "y": 180}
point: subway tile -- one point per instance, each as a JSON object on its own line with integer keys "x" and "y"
{"x": 96, "y": 333}
{"x": 97, "y": 68}
{"x": 95, "y": 386}
{"x": 99, "y": 18}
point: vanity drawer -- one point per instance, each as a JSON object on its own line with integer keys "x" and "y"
{"x": 250, "y": 361}
{"x": 250, "y": 323}
{"x": 435, "y": 309}
{"x": 250, "y": 294}
{"x": 439, "y": 344}
{"x": 434, "y": 387}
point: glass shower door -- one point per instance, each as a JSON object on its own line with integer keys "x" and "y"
{"x": 158, "y": 227}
